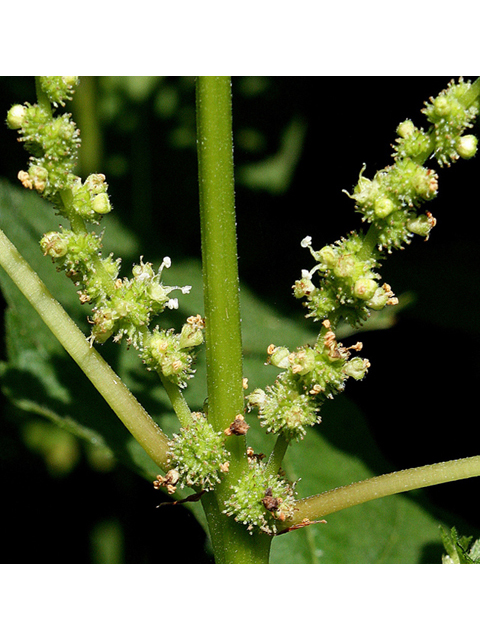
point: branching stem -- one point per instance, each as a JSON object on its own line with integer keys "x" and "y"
{"x": 316, "y": 507}
{"x": 105, "y": 380}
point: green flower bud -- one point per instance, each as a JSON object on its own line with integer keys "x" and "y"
{"x": 365, "y": 288}
{"x": 101, "y": 204}
{"x": 192, "y": 332}
{"x": 257, "y": 399}
{"x": 328, "y": 255}
{"x": 405, "y": 129}
{"x": 467, "y": 147}
{"x": 421, "y": 225}
{"x": 425, "y": 183}
{"x": 383, "y": 207}
{"x": 54, "y": 244}
{"x": 356, "y": 368}
{"x": 39, "y": 177}
{"x": 95, "y": 183}
{"x": 278, "y": 356}
{"x": 16, "y": 116}
{"x": 441, "y": 106}
{"x": 103, "y": 325}
{"x": 345, "y": 266}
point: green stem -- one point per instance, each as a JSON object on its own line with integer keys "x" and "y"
{"x": 124, "y": 404}
{"x": 219, "y": 253}
{"x": 277, "y": 455}
{"x": 316, "y": 507}
{"x": 179, "y": 404}
{"x": 42, "y": 98}
{"x": 231, "y": 541}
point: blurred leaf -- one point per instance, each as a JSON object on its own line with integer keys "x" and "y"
{"x": 275, "y": 173}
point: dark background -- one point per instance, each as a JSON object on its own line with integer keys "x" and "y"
{"x": 420, "y": 393}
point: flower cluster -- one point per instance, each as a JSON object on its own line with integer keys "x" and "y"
{"x": 259, "y": 499}
{"x": 344, "y": 283}
{"x": 312, "y": 374}
{"x": 198, "y": 454}
{"x": 349, "y": 285}
{"x": 171, "y": 353}
{"x": 52, "y": 141}
{"x": 391, "y": 199}
{"x": 450, "y": 118}
{"x": 122, "y": 307}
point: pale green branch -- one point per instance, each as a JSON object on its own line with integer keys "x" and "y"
{"x": 105, "y": 380}
{"x": 319, "y": 506}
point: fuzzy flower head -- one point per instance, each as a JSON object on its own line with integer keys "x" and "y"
{"x": 342, "y": 282}
{"x": 260, "y": 500}
{"x": 199, "y": 455}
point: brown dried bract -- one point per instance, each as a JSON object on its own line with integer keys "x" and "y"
{"x": 269, "y": 502}
{"x": 238, "y": 427}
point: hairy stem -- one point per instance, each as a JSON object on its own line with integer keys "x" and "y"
{"x": 124, "y": 404}
{"x": 277, "y": 455}
{"x": 316, "y": 507}
{"x": 179, "y": 404}
{"x": 219, "y": 253}
{"x": 231, "y": 541}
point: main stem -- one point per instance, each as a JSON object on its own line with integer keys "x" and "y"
{"x": 231, "y": 541}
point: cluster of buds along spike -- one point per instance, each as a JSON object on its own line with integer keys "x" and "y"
{"x": 130, "y": 307}
{"x": 259, "y": 499}
{"x": 391, "y": 199}
{"x": 348, "y": 285}
{"x": 52, "y": 141}
{"x": 198, "y": 454}
{"x": 450, "y": 119}
{"x": 312, "y": 374}
{"x": 121, "y": 307}
{"x": 171, "y": 353}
